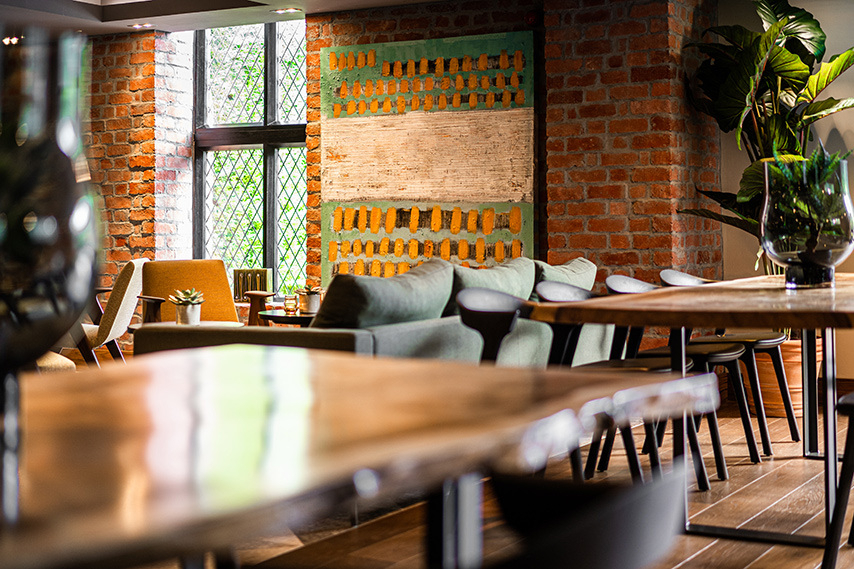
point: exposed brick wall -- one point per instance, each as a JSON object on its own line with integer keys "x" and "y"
{"x": 139, "y": 139}
{"x": 380, "y": 25}
{"x": 624, "y": 149}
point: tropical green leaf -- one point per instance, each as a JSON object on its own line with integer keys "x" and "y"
{"x": 780, "y": 135}
{"x": 826, "y": 74}
{"x": 820, "y": 109}
{"x": 747, "y": 225}
{"x": 718, "y": 51}
{"x": 806, "y": 38}
{"x": 738, "y": 36}
{"x": 789, "y": 67}
{"x": 737, "y": 93}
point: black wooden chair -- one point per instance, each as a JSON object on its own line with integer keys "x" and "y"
{"x": 594, "y": 526}
{"x": 492, "y": 313}
{"x": 704, "y": 356}
{"x": 564, "y": 344}
{"x": 754, "y": 342}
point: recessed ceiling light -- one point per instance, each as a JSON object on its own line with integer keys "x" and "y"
{"x": 140, "y": 26}
{"x": 286, "y": 11}
{"x": 10, "y": 40}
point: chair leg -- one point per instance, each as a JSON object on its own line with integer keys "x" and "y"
{"x": 115, "y": 350}
{"x": 717, "y": 446}
{"x": 837, "y": 520}
{"x": 88, "y": 354}
{"x": 632, "y": 454}
{"x": 697, "y": 457}
{"x": 749, "y": 359}
{"x": 741, "y": 400}
{"x": 651, "y": 443}
{"x": 605, "y": 457}
{"x": 576, "y": 465}
{"x": 777, "y": 359}
{"x": 593, "y": 452}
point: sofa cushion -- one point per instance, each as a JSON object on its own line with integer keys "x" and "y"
{"x": 360, "y": 302}
{"x": 514, "y": 277}
{"x": 579, "y": 272}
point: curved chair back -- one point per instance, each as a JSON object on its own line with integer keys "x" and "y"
{"x": 490, "y": 312}
{"x": 621, "y": 284}
{"x": 550, "y": 291}
{"x": 162, "y": 278}
{"x": 564, "y": 336}
{"x": 671, "y": 277}
{"x": 122, "y": 303}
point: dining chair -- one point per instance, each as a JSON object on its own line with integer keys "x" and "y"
{"x": 162, "y": 278}
{"x": 492, "y": 313}
{"x": 706, "y": 357}
{"x": 754, "y": 342}
{"x": 564, "y": 343}
{"x": 594, "y": 526}
{"x": 111, "y": 321}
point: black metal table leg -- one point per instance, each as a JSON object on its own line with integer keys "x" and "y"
{"x": 454, "y": 534}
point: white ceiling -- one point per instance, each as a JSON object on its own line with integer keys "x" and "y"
{"x": 111, "y": 16}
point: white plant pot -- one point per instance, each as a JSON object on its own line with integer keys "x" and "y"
{"x": 309, "y": 303}
{"x": 188, "y": 314}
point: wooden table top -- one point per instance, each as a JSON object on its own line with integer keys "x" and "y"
{"x": 191, "y": 450}
{"x": 759, "y": 302}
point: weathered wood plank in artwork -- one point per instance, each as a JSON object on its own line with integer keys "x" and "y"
{"x": 464, "y": 156}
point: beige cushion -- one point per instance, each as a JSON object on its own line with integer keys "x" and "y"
{"x": 51, "y": 362}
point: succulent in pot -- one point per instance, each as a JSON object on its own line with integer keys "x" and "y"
{"x": 188, "y": 306}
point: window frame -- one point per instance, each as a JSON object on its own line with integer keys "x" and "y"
{"x": 269, "y": 136}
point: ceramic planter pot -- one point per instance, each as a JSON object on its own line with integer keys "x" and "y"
{"x": 188, "y": 314}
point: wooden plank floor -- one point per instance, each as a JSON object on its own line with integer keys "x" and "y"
{"x": 784, "y": 492}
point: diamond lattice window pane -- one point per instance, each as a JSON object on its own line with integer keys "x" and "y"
{"x": 291, "y": 215}
{"x": 234, "y": 208}
{"x": 235, "y": 75}
{"x": 290, "y": 37}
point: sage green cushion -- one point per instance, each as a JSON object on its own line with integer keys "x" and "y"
{"x": 579, "y": 272}
{"x": 360, "y": 302}
{"x": 514, "y": 277}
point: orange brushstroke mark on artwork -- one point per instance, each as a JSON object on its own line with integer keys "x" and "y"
{"x": 520, "y": 98}
{"x": 375, "y": 105}
{"x": 413, "y": 249}
{"x": 357, "y": 89}
{"x": 436, "y": 219}
{"x": 482, "y": 62}
{"x": 345, "y": 248}
{"x": 376, "y": 219}
{"x": 488, "y": 220}
{"x": 467, "y": 63}
{"x": 360, "y": 59}
{"x": 463, "y": 249}
{"x": 403, "y": 268}
{"x": 472, "y": 100}
{"x": 401, "y": 105}
{"x": 445, "y": 249}
{"x": 440, "y": 66}
{"x": 410, "y": 68}
{"x": 423, "y": 66}
{"x": 453, "y": 65}
{"x": 337, "y": 218}
{"x": 472, "y": 82}
{"x": 384, "y": 243}
{"x": 515, "y": 220}
{"x": 333, "y": 61}
{"x": 333, "y": 251}
{"x": 386, "y": 105}
{"x": 390, "y": 219}
{"x": 398, "y": 69}
{"x": 516, "y": 248}
{"x": 343, "y": 268}
{"x": 369, "y": 248}
{"x": 388, "y": 269}
{"x": 351, "y": 60}
{"x": 351, "y": 107}
{"x": 428, "y": 102}
{"x": 372, "y": 57}
{"x": 415, "y": 102}
{"x": 398, "y": 247}
{"x": 456, "y": 220}
{"x": 404, "y": 86}
{"x": 456, "y": 101}
{"x": 459, "y": 83}
{"x": 362, "y": 107}
{"x": 363, "y": 219}
{"x": 505, "y": 99}
{"x": 336, "y": 110}
{"x": 471, "y": 226}
{"x": 484, "y": 82}
{"x": 349, "y": 215}
{"x": 518, "y": 60}
{"x": 391, "y": 87}
{"x": 490, "y": 100}
{"x": 357, "y": 247}
{"x": 376, "y": 268}
{"x": 480, "y": 250}
{"x": 413, "y": 219}
{"x": 386, "y": 68}
{"x": 514, "y": 80}
{"x": 359, "y": 269}
{"x": 428, "y": 248}
{"x": 428, "y": 84}
{"x": 500, "y": 81}
{"x": 503, "y": 60}
{"x": 499, "y": 251}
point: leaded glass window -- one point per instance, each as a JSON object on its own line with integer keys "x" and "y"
{"x": 250, "y": 180}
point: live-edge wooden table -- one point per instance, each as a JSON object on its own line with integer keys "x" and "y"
{"x": 759, "y": 302}
{"x": 187, "y": 451}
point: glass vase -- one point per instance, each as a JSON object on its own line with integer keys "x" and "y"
{"x": 806, "y": 223}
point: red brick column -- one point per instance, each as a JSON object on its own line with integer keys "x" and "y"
{"x": 624, "y": 148}
{"x": 139, "y": 140}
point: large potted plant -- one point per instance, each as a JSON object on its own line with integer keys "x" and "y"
{"x": 765, "y": 87}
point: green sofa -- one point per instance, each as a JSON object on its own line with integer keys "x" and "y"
{"x": 410, "y": 315}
